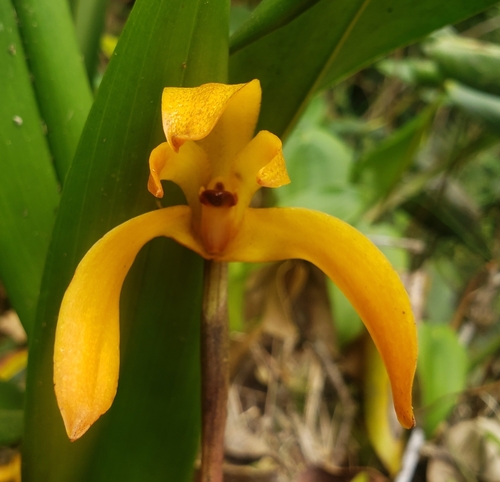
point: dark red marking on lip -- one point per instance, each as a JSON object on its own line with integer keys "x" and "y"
{"x": 218, "y": 197}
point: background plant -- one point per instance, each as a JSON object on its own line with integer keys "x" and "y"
{"x": 409, "y": 143}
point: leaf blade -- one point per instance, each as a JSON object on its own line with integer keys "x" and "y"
{"x": 61, "y": 85}
{"x": 345, "y": 36}
{"x": 28, "y": 187}
{"x": 164, "y": 43}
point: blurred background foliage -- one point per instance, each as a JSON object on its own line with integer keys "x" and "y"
{"x": 407, "y": 150}
{"x": 405, "y": 147}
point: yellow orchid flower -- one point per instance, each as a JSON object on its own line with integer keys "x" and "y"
{"x": 211, "y": 154}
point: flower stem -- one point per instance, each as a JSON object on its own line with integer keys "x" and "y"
{"x": 214, "y": 371}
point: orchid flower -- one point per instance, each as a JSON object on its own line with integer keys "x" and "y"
{"x": 212, "y": 155}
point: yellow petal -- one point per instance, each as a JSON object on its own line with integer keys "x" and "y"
{"x": 86, "y": 352}
{"x": 188, "y": 168}
{"x": 222, "y": 117}
{"x": 358, "y": 268}
{"x": 259, "y": 163}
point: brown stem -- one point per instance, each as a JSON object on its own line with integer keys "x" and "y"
{"x": 214, "y": 371}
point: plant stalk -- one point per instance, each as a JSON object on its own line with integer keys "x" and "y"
{"x": 214, "y": 371}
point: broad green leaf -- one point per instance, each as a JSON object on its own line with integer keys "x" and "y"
{"x": 332, "y": 40}
{"x": 482, "y": 106}
{"x": 267, "y": 17}
{"x": 151, "y": 432}
{"x": 318, "y": 164}
{"x": 316, "y": 158}
{"x": 28, "y": 187}
{"x": 60, "y": 82}
{"x": 470, "y": 61}
{"x": 441, "y": 370}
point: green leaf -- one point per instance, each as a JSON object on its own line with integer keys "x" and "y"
{"x": 441, "y": 293}
{"x": 442, "y": 371}
{"x": 60, "y": 82}
{"x": 381, "y": 169}
{"x": 89, "y": 25}
{"x": 316, "y": 158}
{"x": 28, "y": 187}
{"x": 482, "y": 106}
{"x": 420, "y": 72}
{"x": 348, "y": 324}
{"x": 469, "y": 61}
{"x": 330, "y": 41}
{"x": 151, "y": 432}
{"x": 318, "y": 164}
{"x": 267, "y": 17}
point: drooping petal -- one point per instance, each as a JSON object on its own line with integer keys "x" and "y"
{"x": 222, "y": 117}
{"x": 86, "y": 353}
{"x": 189, "y": 169}
{"x": 358, "y": 268}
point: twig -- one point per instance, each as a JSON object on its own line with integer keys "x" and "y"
{"x": 214, "y": 371}
{"x": 411, "y": 455}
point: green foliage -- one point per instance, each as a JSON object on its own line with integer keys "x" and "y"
{"x": 442, "y": 371}
{"x": 89, "y": 23}
{"x": 105, "y": 186}
{"x": 415, "y": 71}
{"x": 61, "y": 87}
{"x": 318, "y": 163}
{"x": 483, "y": 106}
{"x": 383, "y": 167}
{"x": 341, "y": 46}
{"x": 468, "y": 61}
{"x": 49, "y": 121}
{"x": 28, "y": 186}
{"x": 266, "y": 18}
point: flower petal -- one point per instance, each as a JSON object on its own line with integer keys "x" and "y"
{"x": 228, "y": 112}
{"x": 86, "y": 353}
{"x": 259, "y": 163}
{"x": 358, "y": 268}
{"x": 188, "y": 168}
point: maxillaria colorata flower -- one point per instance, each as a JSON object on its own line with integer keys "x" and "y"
{"x": 212, "y": 155}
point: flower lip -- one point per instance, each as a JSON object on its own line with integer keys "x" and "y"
{"x": 218, "y": 197}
